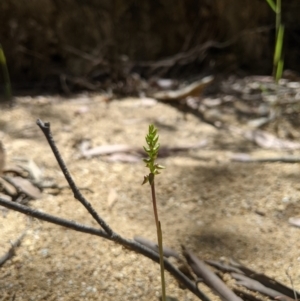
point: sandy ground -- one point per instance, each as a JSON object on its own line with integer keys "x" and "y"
{"x": 215, "y": 207}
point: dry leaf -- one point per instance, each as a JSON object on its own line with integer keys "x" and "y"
{"x": 106, "y": 150}
{"x": 269, "y": 141}
{"x": 284, "y": 298}
{"x": 25, "y": 186}
{"x": 5, "y": 197}
{"x": 148, "y": 102}
{"x": 258, "y": 122}
{"x": 8, "y": 188}
{"x": 211, "y": 102}
{"x": 254, "y": 285}
{"x": 31, "y": 167}
{"x": 123, "y": 157}
{"x": 81, "y": 110}
{"x": 112, "y": 198}
{"x": 83, "y": 145}
{"x": 295, "y": 221}
{"x": 166, "y": 83}
{"x": 240, "y": 157}
{"x": 194, "y": 89}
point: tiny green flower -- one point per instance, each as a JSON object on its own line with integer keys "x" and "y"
{"x": 152, "y": 151}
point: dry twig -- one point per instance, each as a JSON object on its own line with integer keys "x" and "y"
{"x": 107, "y": 232}
{"x": 210, "y": 278}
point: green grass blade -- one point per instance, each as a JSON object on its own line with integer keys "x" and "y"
{"x": 279, "y": 44}
{"x": 7, "y": 85}
{"x": 272, "y": 5}
{"x": 279, "y": 70}
{"x": 278, "y": 7}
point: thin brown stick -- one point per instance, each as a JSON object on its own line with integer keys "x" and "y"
{"x": 223, "y": 267}
{"x": 45, "y": 127}
{"x": 168, "y": 252}
{"x": 210, "y": 278}
{"x": 247, "y": 296}
{"x": 256, "y": 286}
{"x": 265, "y": 280}
{"x": 151, "y": 180}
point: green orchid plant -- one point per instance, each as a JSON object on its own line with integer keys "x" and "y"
{"x": 152, "y": 151}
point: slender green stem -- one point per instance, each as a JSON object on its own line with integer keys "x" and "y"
{"x": 161, "y": 261}
{"x": 154, "y": 203}
{"x": 159, "y": 240}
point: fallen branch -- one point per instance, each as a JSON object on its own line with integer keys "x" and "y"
{"x": 210, "y": 278}
{"x": 107, "y": 232}
{"x": 223, "y": 267}
{"x": 168, "y": 252}
{"x": 266, "y": 281}
{"x": 247, "y": 296}
{"x": 256, "y": 286}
